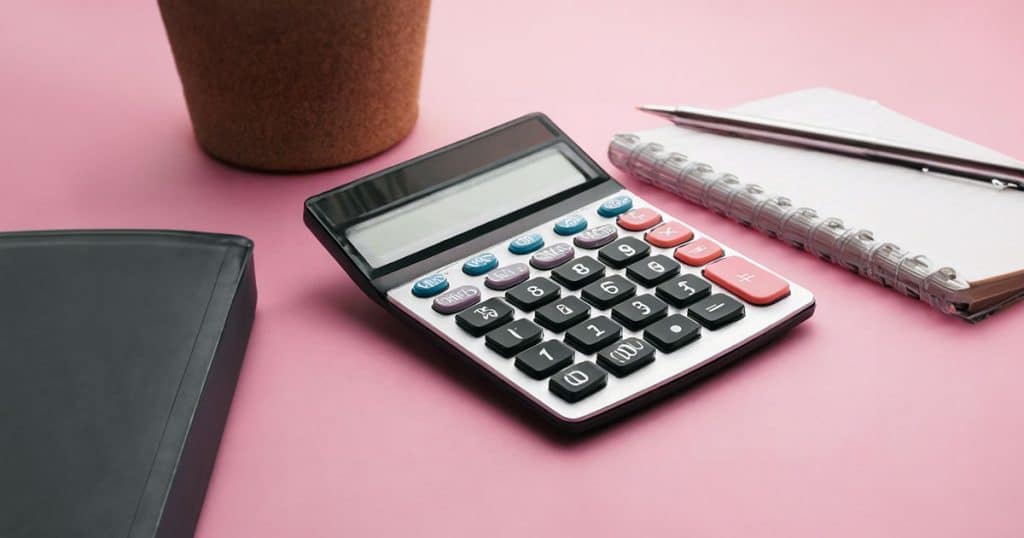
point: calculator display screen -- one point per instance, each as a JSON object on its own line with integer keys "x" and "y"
{"x": 440, "y": 215}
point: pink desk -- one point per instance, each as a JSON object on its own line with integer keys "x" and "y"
{"x": 877, "y": 418}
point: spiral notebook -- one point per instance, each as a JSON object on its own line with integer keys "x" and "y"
{"x": 952, "y": 243}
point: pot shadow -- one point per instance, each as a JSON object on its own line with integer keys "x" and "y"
{"x": 353, "y": 307}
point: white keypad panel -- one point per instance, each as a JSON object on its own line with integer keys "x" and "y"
{"x": 659, "y": 341}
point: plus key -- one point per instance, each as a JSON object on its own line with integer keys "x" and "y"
{"x": 748, "y": 281}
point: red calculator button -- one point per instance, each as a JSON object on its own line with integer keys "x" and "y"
{"x": 699, "y": 252}
{"x": 669, "y": 235}
{"x": 748, "y": 281}
{"x": 639, "y": 219}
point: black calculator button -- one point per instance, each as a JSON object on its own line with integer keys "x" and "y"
{"x": 684, "y": 290}
{"x": 593, "y": 334}
{"x": 639, "y": 312}
{"x": 717, "y": 311}
{"x": 533, "y": 293}
{"x": 484, "y": 316}
{"x": 672, "y": 333}
{"x": 626, "y": 356}
{"x": 577, "y": 273}
{"x": 578, "y": 381}
{"x": 544, "y": 359}
{"x": 608, "y": 291}
{"x": 653, "y": 271}
{"x": 623, "y": 252}
{"x": 563, "y": 313}
{"x": 514, "y": 337}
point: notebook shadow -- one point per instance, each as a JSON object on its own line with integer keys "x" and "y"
{"x": 353, "y": 307}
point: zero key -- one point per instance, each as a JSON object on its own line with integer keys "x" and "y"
{"x": 746, "y": 280}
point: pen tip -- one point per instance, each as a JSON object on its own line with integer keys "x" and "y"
{"x": 656, "y": 108}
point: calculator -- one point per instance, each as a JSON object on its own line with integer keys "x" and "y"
{"x": 515, "y": 251}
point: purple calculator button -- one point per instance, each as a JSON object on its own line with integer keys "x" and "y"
{"x": 598, "y": 236}
{"x": 504, "y": 278}
{"x": 552, "y": 256}
{"x": 457, "y": 299}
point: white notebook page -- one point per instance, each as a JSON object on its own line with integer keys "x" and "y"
{"x": 964, "y": 224}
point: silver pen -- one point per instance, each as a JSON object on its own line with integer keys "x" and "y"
{"x": 841, "y": 142}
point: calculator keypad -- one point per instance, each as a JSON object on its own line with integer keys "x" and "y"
{"x": 684, "y": 290}
{"x": 639, "y": 312}
{"x": 748, "y": 281}
{"x": 578, "y": 381}
{"x": 626, "y": 356}
{"x": 578, "y": 273}
{"x": 563, "y": 313}
{"x": 623, "y": 252}
{"x": 669, "y": 235}
{"x": 504, "y": 278}
{"x": 608, "y": 291}
{"x": 457, "y": 299}
{"x": 672, "y": 333}
{"x": 571, "y": 224}
{"x": 653, "y": 271}
{"x": 526, "y": 243}
{"x": 514, "y": 337}
{"x": 552, "y": 256}
{"x": 699, "y": 252}
{"x": 480, "y": 264}
{"x": 533, "y": 293}
{"x": 597, "y": 237}
{"x": 544, "y": 359}
{"x": 717, "y": 311}
{"x": 632, "y": 302}
{"x": 593, "y": 334}
{"x": 484, "y": 317}
{"x": 639, "y": 219}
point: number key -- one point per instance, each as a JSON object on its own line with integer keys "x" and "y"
{"x": 578, "y": 381}
{"x": 608, "y": 291}
{"x": 578, "y": 273}
{"x": 484, "y": 316}
{"x": 544, "y": 359}
{"x": 593, "y": 334}
{"x": 563, "y": 313}
{"x": 653, "y": 271}
{"x": 639, "y": 312}
{"x": 623, "y": 252}
{"x": 514, "y": 337}
{"x": 683, "y": 291}
{"x": 533, "y": 293}
{"x": 626, "y": 356}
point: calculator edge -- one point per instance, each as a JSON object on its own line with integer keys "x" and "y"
{"x": 628, "y": 407}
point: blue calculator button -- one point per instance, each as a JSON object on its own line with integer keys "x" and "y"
{"x": 526, "y": 243}
{"x": 571, "y": 224}
{"x": 430, "y": 286}
{"x": 480, "y": 264}
{"x": 615, "y": 206}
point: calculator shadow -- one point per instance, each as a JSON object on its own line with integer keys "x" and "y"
{"x": 355, "y": 308}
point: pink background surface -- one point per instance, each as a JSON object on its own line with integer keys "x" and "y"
{"x": 877, "y": 417}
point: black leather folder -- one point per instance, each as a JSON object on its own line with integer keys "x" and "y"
{"x": 119, "y": 353}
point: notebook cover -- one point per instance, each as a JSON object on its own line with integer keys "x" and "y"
{"x": 119, "y": 353}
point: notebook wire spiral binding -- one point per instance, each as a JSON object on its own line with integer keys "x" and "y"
{"x": 828, "y": 238}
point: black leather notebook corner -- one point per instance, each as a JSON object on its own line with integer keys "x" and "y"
{"x": 119, "y": 353}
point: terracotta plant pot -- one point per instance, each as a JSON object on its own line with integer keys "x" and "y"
{"x": 289, "y": 86}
